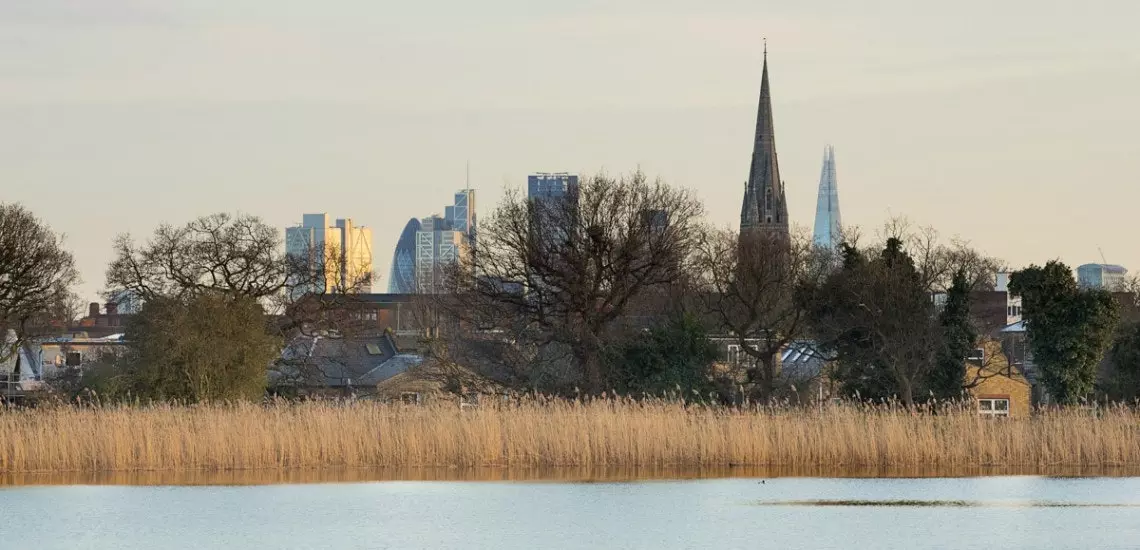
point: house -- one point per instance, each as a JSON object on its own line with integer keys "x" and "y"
{"x": 436, "y": 380}
{"x": 999, "y": 387}
{"x": 47, "y": 358}
{"x": 327, "y": 364}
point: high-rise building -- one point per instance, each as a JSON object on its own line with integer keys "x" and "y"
{"x": 765, "y": 208}
{"x": 546, "y": 191}
{"x": 827, "y": 220}
{"x": 1105, "y": 276}
{"x": 442, "y": 241}
{"x": 338, "y": 256}
{"x": 438, "y": 246}
{"x": 402, "y": 277}
{"x": 461, "y": 215}
{"x": 551, "y": 186}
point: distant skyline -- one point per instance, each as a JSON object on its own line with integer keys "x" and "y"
{"x": 1010, "y": 124}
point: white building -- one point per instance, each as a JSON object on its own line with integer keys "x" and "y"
{"x": 1105, "y": 276}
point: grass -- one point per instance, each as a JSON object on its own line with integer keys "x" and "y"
{"x": 540, "y": 434}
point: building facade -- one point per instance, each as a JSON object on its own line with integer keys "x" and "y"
{"x": 765, "y": 208}
{"x": 442, "y": 241}
{"x": 544, "y": 185}
{"x": 1104, "y": 276}
{"x": 402, "y": 276}
{"x": 329, "y": 258}
{"x": 827, "y": 219}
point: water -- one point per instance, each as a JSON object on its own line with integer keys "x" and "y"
{"x": 983, "y": 512}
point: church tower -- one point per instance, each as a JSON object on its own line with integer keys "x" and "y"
{"x": 765, "y": 208}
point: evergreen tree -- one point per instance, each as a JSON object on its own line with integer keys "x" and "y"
{"x": 1069, "y": 328}
{"x": 959, "y": 337}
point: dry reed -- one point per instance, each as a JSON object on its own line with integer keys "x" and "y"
{"x": 549, "y": 434}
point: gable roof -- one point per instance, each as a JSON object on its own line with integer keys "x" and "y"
{"x": 341, "y": 362}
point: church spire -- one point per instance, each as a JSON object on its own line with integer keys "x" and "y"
{"x": 765, "y": 207}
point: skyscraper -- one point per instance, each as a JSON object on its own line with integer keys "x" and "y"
{"x": 764, "y": 209}
{"x": 437, "y": 247}
{"x": 338, "y": 257}
{"x": 442, "y": 241}
{"x": 546, "y": 191}
{"x": 550, "y": 186}
{"x": 827, "y": 219}
{"x": 402, "y": 278}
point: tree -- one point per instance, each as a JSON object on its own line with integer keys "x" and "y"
{"x": 938, "y": 261}
{"x": 36, "y": 278}
{"x": 207, "y": 347}
{"x": 551, "y": 278}
{"x": 747, "y": 284}
{"x": 959, "y": 338}
{"x": 1121, "y": 380}
{"x": 675, "y": 355}
{"x": 878, "y": 321}
{"x": 1069, "y": 328}
{"x": 240, "y": 256}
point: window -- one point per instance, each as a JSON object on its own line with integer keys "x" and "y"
{"x": 993, "y": 407}
{"x": 733, "y": 355}
{"x": 374, "y": 349}
{"x": 979, "y": 354}
{"x": 410, "y": 398}
{"x": 74, "y": 359}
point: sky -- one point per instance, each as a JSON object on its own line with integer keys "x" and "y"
{"x": 1012, "y": 124}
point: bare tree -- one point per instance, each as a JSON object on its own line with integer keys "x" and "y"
{"x": 238, "y": 255}
{"x": 550, "y": 278}
{"x": 748, "y": 285}
{"x": 937, "y": 260}
{"x": 36, "y": 278}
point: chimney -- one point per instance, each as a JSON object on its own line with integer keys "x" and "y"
{"x": 112, "y": 308}
{"x": 93, "y": 310}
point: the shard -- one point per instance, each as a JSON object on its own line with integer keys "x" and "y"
{"x": 827, "y": 220}
{"x": 765, "y": 209}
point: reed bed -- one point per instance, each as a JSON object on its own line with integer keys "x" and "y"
{"x": 539, "y": 434}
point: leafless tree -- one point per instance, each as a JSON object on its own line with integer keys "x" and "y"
{"x": 550, "y": 278}
{"x": 36, "y": 278}
{"x": 938, "y": 259}
{"x": 748, "y": 285}
{"x": 238, "y": 255}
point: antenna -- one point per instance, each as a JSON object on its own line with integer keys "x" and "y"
{"x": 1102, "y": 259}
{"x": 468, "y": 175}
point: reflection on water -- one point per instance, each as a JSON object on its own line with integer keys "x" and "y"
{"x": 947, "y": 503}
{"x": 569, "y": 474}
{"x": 778, "y": 512}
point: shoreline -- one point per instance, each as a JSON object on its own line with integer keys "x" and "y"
{"x": 524, "y": 475}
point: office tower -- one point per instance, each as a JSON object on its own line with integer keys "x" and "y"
{"x": 402, "y": 277}
{"x": 328, "y": 258}
{"x": 827, "y": 220}
{"x": 551, "y": 186}
{"x": 1105, "y": 276}
{"x": 765, "y": 208}
{"x": 438, "y": 247}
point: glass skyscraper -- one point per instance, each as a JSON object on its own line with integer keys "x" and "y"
{"x": 402, "y": 279}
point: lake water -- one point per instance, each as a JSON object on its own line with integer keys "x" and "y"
{"x": 981, "y": 512}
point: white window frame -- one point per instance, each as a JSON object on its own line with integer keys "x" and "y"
{"x": 989, "y": 406}
{"x": 732, "y": 355}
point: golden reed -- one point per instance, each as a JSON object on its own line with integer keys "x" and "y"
{"x": 551, "y": 434}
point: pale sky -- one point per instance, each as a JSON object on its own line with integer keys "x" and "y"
{"x": 1014, "y": 124}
